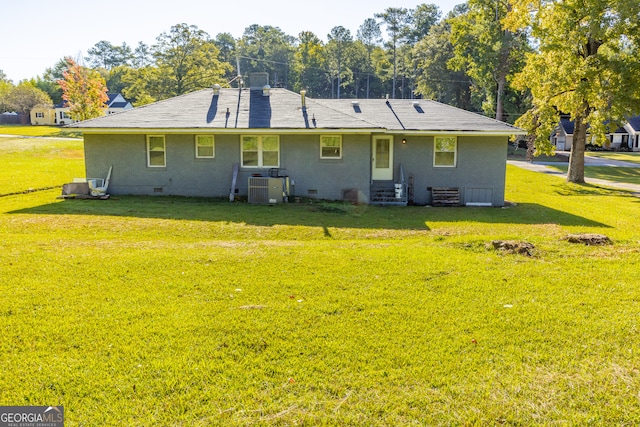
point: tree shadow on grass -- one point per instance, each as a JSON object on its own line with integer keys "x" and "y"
{"x": 309, "y": 213}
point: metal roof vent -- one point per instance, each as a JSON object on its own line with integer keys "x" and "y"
{"x": 216, "y": 89}
{"x": 266, "y": 90}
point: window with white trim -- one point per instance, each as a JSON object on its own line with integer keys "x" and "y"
{"x": 445, "y": 151}
{"x": 330, "y": 147}
{"x": 260, "y": 151}
{"x": 156, "y": 151}
{"x": 205, "y": 147}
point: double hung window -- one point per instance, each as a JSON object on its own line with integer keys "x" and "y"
{"x": 260, "y": 151}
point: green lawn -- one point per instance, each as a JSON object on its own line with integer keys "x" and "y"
{"x": 33, "y": 163}
{"x": 625, "y": 157}
{"x": 191, "y": 312}
{"x": 28, "y": 130}
{"x": 615, "y": 174}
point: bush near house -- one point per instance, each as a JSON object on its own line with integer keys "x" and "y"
{"x": 180, "y": 311}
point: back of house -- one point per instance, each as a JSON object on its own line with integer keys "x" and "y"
{"x": 369, "y": 151}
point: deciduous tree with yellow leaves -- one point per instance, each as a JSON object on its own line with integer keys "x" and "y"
{"x": 586, "y": 65}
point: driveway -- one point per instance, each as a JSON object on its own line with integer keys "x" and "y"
{"x": 543, "y": 167}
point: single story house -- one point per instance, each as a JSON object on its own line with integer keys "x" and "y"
{"x": 114, "y": 104}
{"x": 626, "y": 137}
{"x": 562, "y": 137}
{"x": 632, "y": 127}
{"x": 42, "y": 114}
{"x": 219, "y": 142}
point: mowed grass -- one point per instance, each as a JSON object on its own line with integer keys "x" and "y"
{"x": 191, "y": 312}
{"x": 34, "y": 163}
{"x": 615, "y": 174}
{"x": 632, "y": 157}
{"x": 47, "y": 131}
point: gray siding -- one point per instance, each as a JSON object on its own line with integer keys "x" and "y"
{"x": 323, "y": 178}
{"x": 187, "y": 175}
{"x": 479, "y": 173}
{"x": 183, "y": 175}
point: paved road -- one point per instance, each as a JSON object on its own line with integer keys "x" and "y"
{"x": 543, "y": 167}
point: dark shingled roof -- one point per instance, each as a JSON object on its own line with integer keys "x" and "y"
{"x": 634, "y": 122}
{"x": 249, "y": 109}
{"x": 568, "y": 125}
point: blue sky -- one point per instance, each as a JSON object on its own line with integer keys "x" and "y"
{"x": 36, "y": 34}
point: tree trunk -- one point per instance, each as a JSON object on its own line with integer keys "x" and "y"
{"x": 575, "y": 173}
{"x": 395, "y": 74}
{"x": 368, "y": 76}
{"x": 502, "y": 83}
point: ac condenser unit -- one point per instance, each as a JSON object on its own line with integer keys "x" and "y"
{"x": 266, "y": 190}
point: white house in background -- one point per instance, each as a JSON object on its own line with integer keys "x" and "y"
{"x": 562, "y": 137}
{"x": 115, "y": 104}
{"x": 633, "y": 129}
{"x": 626, "y": 137}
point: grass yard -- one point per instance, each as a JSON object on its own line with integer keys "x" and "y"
{"x": 615, "y": 174}
{"x": 28, "y": 130}
{"x": 193, "y": 312}
{"x": 35, "y": 163}
{"x": 617, "y": 155}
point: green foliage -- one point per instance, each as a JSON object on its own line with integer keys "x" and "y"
{"x": 186, "y": 60}
{"x": 488, "y": 53}
{"x": 396, "y": 21}
{"x": 586, "y": 65}
{"x": 339, "y": 48}
{"x": 309, "y": 66}
{"x": 181, "y": 311}
{"x": 5, "y": 89}
{"x": 266, "y": 49}
{"x": 23, "y": 97}
{"x": 105, "y": 55}
{"x": 435, "y": 80}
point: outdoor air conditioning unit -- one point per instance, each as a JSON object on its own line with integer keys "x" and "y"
{"x": 266, "y": 190}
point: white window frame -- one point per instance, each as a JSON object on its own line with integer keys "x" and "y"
{"x": 260, "y": 151}
{"x": 322, "y": 146}
{"x": 164, "y": 151}
{"x": 436, "y": 139}
{"x": 198, "y": 145}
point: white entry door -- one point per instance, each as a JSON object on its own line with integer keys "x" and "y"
{"x": 382, "y": 158}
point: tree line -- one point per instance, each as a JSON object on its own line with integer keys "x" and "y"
{"x": 522, "y": 61}
{"x": 399, "y": 53}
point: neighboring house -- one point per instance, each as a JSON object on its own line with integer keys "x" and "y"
{"x": 562, "y": 137}
{"x": 199, "y": 144}
{"x": 633, "y": 129}
{"x": 43, "y": 115}
{"x": 62, "y": 116}
{"x": 626, "y": 137}
{"x": 115, "y": 104}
